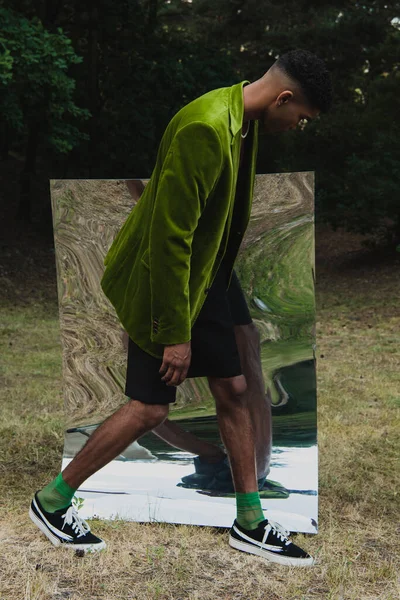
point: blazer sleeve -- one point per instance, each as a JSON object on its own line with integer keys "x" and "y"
{"x": 190, "y": 171}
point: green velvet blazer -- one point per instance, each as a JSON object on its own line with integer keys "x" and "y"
{"x": 192, "y": 213}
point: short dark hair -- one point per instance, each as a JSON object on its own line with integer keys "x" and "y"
{"x": 312, "y": 75}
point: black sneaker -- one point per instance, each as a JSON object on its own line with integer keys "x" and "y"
{"x": 270, "y": 541}
{"x": 65, "y": 527}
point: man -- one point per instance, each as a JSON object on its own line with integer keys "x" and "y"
{"x": 212, "y": 465}
{"x": 169, "y": 275}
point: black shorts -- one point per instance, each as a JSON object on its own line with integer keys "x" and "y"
{"x": 213, "y": 345}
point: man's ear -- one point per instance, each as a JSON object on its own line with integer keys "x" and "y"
{"x": 284, "y": 97}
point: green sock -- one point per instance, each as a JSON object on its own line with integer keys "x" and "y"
{"x": 249, "y": 510}
{"x": 56, "y": 495}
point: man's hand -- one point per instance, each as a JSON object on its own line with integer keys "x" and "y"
{"x": 135, "y": 187}
{"x": 176, "y": 362}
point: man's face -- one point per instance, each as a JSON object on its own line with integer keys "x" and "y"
{"x": 286, "y": 113}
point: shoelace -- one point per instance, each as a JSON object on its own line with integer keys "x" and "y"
{"x": 278, "y": 531}
{"x": 72, "y": 518}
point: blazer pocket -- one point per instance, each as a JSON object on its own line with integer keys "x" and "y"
{"x": 145, "y": 259}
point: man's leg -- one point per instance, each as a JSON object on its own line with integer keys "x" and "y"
{"x": 50, "y": 508}
{"x": 248, "y": 343}
{"x": 174, "y": 435}
{"x": 251, "y": 532}
{"x": 258, "y": 403}
{"x": 125, "y": 426}
{"x": 236, "y": 429}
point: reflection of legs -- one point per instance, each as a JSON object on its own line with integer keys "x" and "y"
{"x": 174, "y": 435}
{"x": 259, "y": 405}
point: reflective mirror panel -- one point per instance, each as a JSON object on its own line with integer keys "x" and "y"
{"x": 160, "y": 477}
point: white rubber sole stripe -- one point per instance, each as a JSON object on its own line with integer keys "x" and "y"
{"x": 252, "y": 542}
{"x": 54, "y": 540}
{"x": 270, "y": 556}
{"x": 59, "y": 534}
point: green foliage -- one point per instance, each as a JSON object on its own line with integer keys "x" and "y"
{"x": 6, "y": 63}
{"x": 35, "y": 84}
{"x": 142, "y": 60}
{"x": 78, "y": 502}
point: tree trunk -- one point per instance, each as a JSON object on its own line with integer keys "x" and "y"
{"x": 47, "y": 11}
{"x": 93, "y": 78}
{"x": 51, "y": 10}
{"x": 6, "y": 142}
{"x": 152, "y": 16}
{"x": 24, "y": 211}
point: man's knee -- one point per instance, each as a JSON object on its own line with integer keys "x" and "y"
{"x": 255, "y": 333}
{"x": 249, "y": 332}
{"x": 248, "y": 342}
{"x": 228, "y": 389}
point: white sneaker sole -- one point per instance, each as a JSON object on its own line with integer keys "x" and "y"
{"x": 56, "y": 542}
{"x": 270, "y": 556}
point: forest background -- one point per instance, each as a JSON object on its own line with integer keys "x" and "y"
{"x": 88, "y": 87}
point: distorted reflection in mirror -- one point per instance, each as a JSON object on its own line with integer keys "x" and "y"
{"x": 179, "y": 472}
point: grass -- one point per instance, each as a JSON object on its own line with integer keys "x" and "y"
{"x": 358, "y": 434}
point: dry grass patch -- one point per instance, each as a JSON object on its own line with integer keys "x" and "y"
{"x": 160, "y": 561}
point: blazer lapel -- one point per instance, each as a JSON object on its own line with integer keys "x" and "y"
{"x": 250, "y": 178}
{"x": 236, "y": 110}
{"x": 231, "y": 240}
{"x": 240, "y": 208}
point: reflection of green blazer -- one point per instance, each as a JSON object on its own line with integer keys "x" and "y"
{"x": 165, "y": 257}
